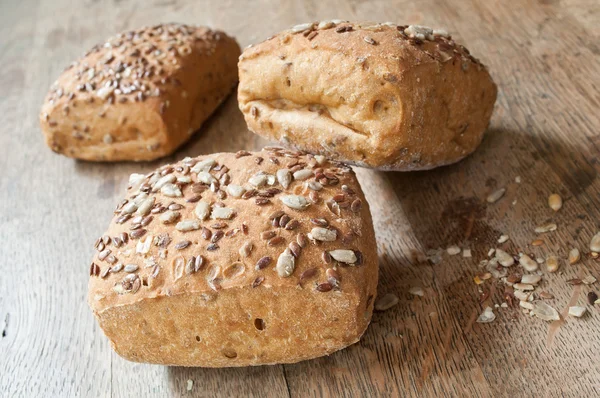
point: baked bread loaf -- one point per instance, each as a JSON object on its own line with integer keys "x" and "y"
{"x": 375, "y": 95}
{"x": 141, "y": 94}
{"x": 237, "y": 259}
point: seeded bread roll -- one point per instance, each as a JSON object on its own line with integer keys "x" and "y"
{"x": 375, "y": 95}
{"x": 141, "y": 94}
{"x": 237, "y": 259}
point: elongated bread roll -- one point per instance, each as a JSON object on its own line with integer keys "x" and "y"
{"x": 375, "y": 95}
{"x": 141, "y": 94}
{"x": 237, "y": 259}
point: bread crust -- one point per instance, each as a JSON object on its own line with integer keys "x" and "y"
{"x": 158, "y": 303}
{"x": 375, "y": 95}
{"x": 141, "y": 94}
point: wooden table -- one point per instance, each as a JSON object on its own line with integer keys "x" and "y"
{"x": 543, "y": 54}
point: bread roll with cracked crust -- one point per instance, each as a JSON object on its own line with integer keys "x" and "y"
{"x": 141, "y": 94}
{"x": 237, "y": 259}
{"x": 375, "y": 95}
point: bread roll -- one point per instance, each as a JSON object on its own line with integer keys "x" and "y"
{"x": 375, "y": 95}
{"x": 141, "y": 94}
{"x": 237, "y": 259}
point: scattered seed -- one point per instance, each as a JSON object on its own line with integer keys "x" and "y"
{"x": 595, "y": 243}
{"x": 503, "y": 238}
{"x": 527, "y": 263}
{"x": 592, "y": 297}
{"x": 555, "y": 202}
{"x": 577, "y": 312}
{"x": 552, "y": 264}
{"x": 486, "y": 316}
{"x": 453, "y": 250}
{"x": 386, "y": 302}
{"x": 505, "y": 259}
{"x": 324, "y": 287}
{"x": 545, "y": 312}
{"x": 546, "y": 228}
{"x": 574, "y": 256}
{"x": 416, "y": 291}
{"x": 496, "y": 195}
{"x": 546, "y": 296}
{"x": 537, "y": 242}
{"x": 531, "y": 279}
{"x": 523, "y": 286}
{"x": 589, "y": 280}
{"x": 574, "y": 281}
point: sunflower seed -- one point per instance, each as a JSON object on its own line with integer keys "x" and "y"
{"x": 161, "y": 182}
{"x": 235, "y": 190}
{"x": 526, "y": 304}
{"x": 202, "y": 210}
{"x": 496, "y": 195}
{"x": 523, "y": 286}
{"x": 258, "y": 180}
{"x": 129, "y": 208}
{"x": 223, "y": 213}
{"x": 546, "y": 228}
{"x": 296, "y": 202}
{"x": 527, "y": 263}
{"x": 589, "y": 280}
{"x": 145, "y": 206}
{"x": 531, "y": 279}
{"x": 187, "y": 225}
{"x": 129, "y": 268}
{"x": 314, "y": 185}
{"x": 116, "y": 268}
{"x": 203, "y": 166}
{"x": 302, "y": 174}
{"x": 285, "y": 264}
{"x": 171, "y": 190}
{"x": 545, "y": 312}
{"x": 206, "y": 178}
{"x": 505, "y": 259}
{"x": 577, "y": 312}
{"x": 453, "y": 250}
{"x": 143, "y": 246}
{"x": 284, "y": 177}
{"x": 486, "y": 316}
{"x": 323, "y": 234}
{"x": 503, "y": 238}
{"x": 343, "y": 256}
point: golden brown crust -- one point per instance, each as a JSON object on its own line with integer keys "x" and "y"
{"x": 173, "y": 283}
{"x": 141, "y": 94}
{"x": 376, "y": 95}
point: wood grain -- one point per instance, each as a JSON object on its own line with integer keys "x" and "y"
{"x": 544, "y": 55}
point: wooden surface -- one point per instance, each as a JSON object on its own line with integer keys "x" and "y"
{"x": 543, "y": 54}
